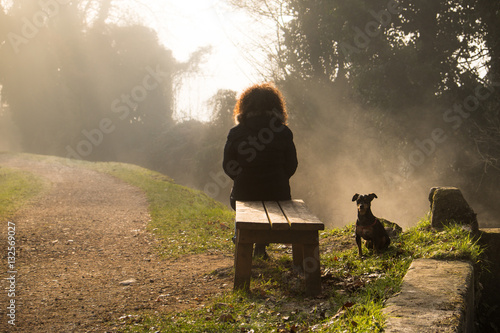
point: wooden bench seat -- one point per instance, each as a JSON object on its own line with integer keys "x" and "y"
{"x": 287, "y": 222}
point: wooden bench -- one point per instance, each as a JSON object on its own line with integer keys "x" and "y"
{"x": 287, "y": 222}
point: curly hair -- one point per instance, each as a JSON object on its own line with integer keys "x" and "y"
{"x": 258, "y": 100}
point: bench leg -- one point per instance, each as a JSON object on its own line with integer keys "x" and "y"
{"x": 298, "y": 257}
{"x": 242, "y": 265}
{"x": 312, "y": 269}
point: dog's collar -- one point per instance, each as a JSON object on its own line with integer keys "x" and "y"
{"x": 366, "y": 226}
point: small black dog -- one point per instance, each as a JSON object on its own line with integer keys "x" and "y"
{"x": 368, "y": 226}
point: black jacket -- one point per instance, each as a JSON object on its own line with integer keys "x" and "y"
{"x": 260, "y": 157}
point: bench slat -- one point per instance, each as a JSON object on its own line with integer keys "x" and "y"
{"x": 299, "y": 216}
{"x": 251, "y": 215}
{"x": 276, "y": 218}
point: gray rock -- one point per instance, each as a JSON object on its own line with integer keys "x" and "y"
{"x": 392, "y": 229}
{"x": 449, "y": 206}
{"x": 128, "y": 282}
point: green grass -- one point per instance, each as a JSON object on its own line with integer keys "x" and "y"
{"x": 452, "y": 243}
{"x": 16, "y": 189}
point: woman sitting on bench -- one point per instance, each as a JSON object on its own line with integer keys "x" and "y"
{"x": 259, "y": 155}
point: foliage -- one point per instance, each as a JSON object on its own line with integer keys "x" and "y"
{"x": 390, "y": 54}
{"x": 222, "y": 104}
{"x": 191, "y": 152}
{"x": 386, "y": 74}
{"x": 61, "y": 80}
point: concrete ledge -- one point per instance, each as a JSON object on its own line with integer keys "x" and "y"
{"x": 436, "y": 296}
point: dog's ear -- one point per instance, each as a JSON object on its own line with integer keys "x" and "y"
{"x": 372, "y": 196}
{"x": 355, "y": 197}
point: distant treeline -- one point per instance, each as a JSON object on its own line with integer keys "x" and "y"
{"x": 385, "y": 96}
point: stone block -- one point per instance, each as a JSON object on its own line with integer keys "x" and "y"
{"x": 436, "y": 296}
{"x": 449, "y": 205}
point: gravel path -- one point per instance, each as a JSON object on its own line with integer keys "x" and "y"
{"x": 84, "y": 259}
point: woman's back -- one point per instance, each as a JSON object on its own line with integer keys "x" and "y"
{"x": 260, "y": 157}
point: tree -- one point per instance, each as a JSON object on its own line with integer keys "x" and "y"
{"x": 394, "y": 75}
{"x": 222, "y": 106}
{"x": 84, "y": 88}
{"x": 191, "y": 152}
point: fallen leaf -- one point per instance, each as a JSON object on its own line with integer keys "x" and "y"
{"x": 348, "y": 305}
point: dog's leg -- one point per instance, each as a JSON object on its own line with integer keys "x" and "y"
{"x": 358, "y": 242}
{"x": 381, "y": 244}
{"x": 387, "y": 242}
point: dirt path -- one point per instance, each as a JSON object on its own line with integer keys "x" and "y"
{"x": 79, "y": 243}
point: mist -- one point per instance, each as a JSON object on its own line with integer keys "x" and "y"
{"x": 353, "y": 153}
{"x": 387, "y": 111}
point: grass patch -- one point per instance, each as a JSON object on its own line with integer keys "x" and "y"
{"x": 452, "y": 243}
{"x": 187, "y": 221}
{"x": 354, "y": 288}
{"x": 16, "y": 189}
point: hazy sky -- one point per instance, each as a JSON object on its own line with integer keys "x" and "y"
{"x": 184, "y": 26}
